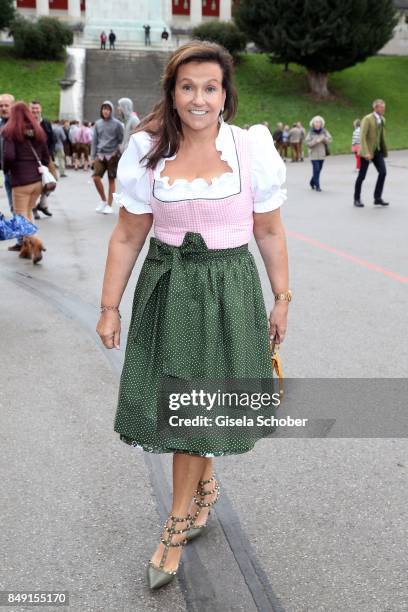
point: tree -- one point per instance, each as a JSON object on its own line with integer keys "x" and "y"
{"x": 7, "y": 13}
{"x": 322, "y": 35}
{"x": 43, "y": 39}
{"x": 224, "y": 33}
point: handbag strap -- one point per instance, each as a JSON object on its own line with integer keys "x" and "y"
{"x": 276, "y": 364}
{"x": 35, "y": 154}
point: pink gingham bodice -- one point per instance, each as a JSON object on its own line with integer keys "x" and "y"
{"x": 221, "y": 211}
{"x": 222, "y": 222}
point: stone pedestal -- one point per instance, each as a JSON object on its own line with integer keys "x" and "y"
{"x": 126, "y": 19}
{"x": 73, "y": 85}
{"x": 195, "y": 12}
{"x": 74, "y": 10}
{"x": 42, "y": 8}
{"x": 225, "y": 10}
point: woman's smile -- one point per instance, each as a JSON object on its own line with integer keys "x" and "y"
{"x": 199, "y": 95}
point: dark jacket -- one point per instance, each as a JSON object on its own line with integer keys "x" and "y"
{"x": 3, "y": 123}
{"x": 277, "y": 136}
{"x": 20, "y": 163}
{"x": 47, "y": 127}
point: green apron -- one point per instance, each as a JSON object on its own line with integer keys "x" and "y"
{"x": 197, "y": 313}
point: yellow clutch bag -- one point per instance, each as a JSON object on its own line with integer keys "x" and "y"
{"x": 276, "y": 364}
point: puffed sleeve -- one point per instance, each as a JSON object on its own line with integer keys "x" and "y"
{"x": 268, "y": 171}
{"x": 133, "y": 177}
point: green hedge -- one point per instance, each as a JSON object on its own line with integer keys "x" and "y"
{"x": 224, "y": 33}
{"x": 44, "y": 39}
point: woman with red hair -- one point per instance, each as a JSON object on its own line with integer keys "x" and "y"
{"x": 24, "y": 142}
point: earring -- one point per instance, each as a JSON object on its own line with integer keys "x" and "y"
{"x": 221, "y": 117}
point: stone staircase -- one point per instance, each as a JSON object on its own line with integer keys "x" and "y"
{"x": 110, "y": 75}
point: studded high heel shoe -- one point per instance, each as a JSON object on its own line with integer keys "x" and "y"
{"x": 157, "y": 576}
{"x": 197, "y": 530}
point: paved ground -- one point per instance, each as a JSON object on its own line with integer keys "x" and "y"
{"x": 307, "y": 524}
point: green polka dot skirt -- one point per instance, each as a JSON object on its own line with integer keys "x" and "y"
{"x": 197, "y": 313}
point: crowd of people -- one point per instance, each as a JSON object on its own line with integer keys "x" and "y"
{"x": 290, "y": 139}
{"x": 28, "y": 139}
{"x": 111, "y": 37}
{"x": 294, "y": 139}
{"x": 367, "y": 144}
{"x": 29, "y": 143}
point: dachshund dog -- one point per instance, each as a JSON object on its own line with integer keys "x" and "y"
{"x": 25, "y": 251}
{"x": 32, "y": 248}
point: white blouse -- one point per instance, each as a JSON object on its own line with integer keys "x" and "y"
{"x": 268, "y": 173}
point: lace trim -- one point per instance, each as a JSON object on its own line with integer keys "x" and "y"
{"x": 157, "y": 449}
{"x": 225, "y": 146}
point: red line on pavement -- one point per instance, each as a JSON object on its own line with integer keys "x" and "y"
{"x": 357, "y": 260}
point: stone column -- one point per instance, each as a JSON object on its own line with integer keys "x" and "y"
{"x": 195, "y": 12}
{"x": 225, "y": 10}
{"x": 167, "y": 12}
{"x": 74, "y": 9}
{"x": 42, "y": 7}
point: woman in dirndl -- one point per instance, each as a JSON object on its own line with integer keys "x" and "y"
{"x": 198, "y": 311}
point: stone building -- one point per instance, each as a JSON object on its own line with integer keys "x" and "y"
{"x": 127, "y": 17}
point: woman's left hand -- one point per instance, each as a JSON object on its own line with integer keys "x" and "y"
{"x": 278, "y": 321}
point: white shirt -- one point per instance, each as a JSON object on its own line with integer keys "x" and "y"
{"x": 268, "y": 173}
{"x": 378, "y": 118}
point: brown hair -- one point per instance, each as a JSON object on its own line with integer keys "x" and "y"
{"x": 163, "y": 123}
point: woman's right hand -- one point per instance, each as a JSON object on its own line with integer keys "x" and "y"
{"x": 108, "y": 329}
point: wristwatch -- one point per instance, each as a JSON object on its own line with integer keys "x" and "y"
{"x": 284, "y": 297}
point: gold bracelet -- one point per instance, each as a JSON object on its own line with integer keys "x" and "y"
{"x": 103, "y": 308}
{"x": 284, "y": 297}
